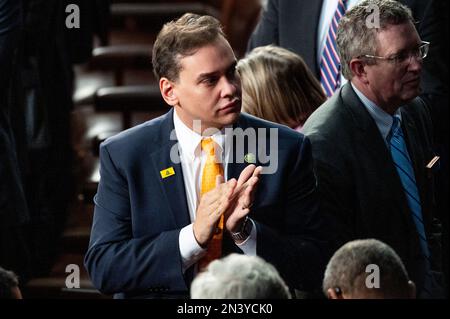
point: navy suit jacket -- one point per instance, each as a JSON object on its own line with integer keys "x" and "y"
{"x": 138, "y": 215}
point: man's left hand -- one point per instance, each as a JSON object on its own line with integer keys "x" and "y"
{"x": 243, "y": 197}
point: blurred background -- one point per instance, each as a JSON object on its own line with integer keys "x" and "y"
{"x": 62, "y": 92}
{"x": 68, "y": 89}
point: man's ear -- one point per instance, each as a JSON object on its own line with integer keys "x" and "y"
{"x": 412, "y": 289}
{"x": 167, "y": 91}
{"x": 332, "y": 294}
{"x": 357, "y": 66}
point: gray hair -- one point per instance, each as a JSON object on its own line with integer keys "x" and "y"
{"x": 347, "y": 270}
{"x": 8, "y": 281}
{"x": 239, "y": 277}
{"x": 354, "y": 37}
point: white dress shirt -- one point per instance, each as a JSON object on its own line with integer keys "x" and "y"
{"x": 192, "y": 162}
{"x": 328, "y": 9}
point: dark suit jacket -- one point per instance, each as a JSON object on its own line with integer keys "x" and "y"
{"x": 138, "y": 215}
{"x": 357, "y": 180}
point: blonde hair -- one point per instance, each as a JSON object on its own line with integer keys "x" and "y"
{"x": 278, "y": 86}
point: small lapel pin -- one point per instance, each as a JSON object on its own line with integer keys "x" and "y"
{"x": 433, "y": 161}
{"x": 250, "y": 158}
{"x": 167, "y": 172}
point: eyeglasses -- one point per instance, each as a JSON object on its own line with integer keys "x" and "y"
{"x": 404, "y": 58}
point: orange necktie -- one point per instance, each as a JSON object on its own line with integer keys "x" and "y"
{"x": 210, "y": 170}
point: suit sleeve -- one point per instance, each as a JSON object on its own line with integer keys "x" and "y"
{"x": 118, "y": 262}
{"x": 266, "y": 32}
{"x": 299, "y": 249}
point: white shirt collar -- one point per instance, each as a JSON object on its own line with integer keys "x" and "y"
{"x": 189, "y": 141}
{"x": 382, "y": 119}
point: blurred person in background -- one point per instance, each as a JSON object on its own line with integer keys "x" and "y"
{"x": 278, "y": 86}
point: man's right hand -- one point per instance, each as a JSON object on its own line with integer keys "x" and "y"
{"x": 212, "y": 205}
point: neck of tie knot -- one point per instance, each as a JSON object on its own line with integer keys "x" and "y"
{"x": 208, "y": 146}
{"x": 394, "y": 128}
{"x": 395, "y": 123}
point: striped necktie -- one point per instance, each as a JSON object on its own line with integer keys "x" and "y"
{"x": 405, "y": 171}
{"x": 210, "y": 170}
{"x": 329, "y": 64}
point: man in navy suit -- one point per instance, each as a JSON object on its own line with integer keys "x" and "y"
{"x": 151, "y": 225}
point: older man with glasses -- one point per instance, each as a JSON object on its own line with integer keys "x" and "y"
{"x": 372, "y": 142}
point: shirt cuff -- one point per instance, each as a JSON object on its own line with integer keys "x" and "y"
{"x": 190, "y": 250}
{"x": 248, "y": 246}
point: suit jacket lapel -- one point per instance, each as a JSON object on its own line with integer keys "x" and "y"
{"x": 411, "y": 139}
{"x": 370, "y": 140}
{"x": 172, "y": 186}
{"x": 417, "y": 157}
{"x": 236, "y": 162}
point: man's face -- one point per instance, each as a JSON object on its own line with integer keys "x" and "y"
{"x": 208, "y": 87}
{"x": 393, "y": 84}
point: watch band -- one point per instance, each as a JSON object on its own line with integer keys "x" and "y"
{"x": 244, "y": 232}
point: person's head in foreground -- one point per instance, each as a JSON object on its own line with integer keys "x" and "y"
{"x": 367, "y": 269}
{"x": 278, "y": 86}
{"x": 239, "y": 277}
{"x": 9, "y": 285}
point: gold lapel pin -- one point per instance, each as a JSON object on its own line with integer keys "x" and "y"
{"x": 167, "y": 172}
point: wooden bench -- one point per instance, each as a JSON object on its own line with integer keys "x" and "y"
{"x": 129, "y": 99}
{"x": 54, "y": 286}
{"x": 119, "y": 58}
{"x": 152, "y": 16}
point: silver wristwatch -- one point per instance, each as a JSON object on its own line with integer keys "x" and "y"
{"x": 244, "y": 232}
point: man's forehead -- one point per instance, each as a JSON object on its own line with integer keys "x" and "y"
{"x": 396, "y": 37}
{"x": 209, "y": 59}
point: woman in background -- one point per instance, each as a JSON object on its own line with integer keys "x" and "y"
{"x": 278, "y": 86}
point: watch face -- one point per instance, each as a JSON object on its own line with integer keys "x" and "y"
{"x": 245, "y": 232}
{"x": 239, "y": 236}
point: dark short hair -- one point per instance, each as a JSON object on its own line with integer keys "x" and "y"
{"x": 8, "y": 280}
{"x": 180, "y": 38}
{"x": 347, "y": 269}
